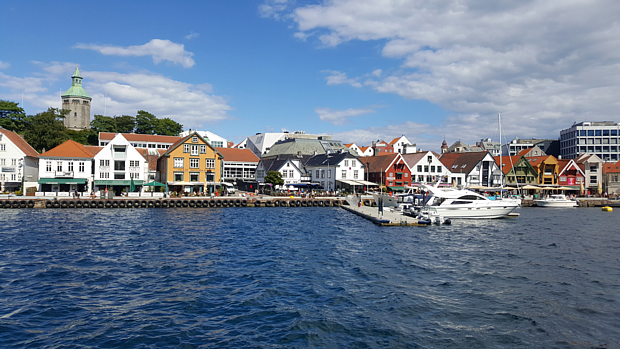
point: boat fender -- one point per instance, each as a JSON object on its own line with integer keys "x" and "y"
{"x": 115, "y": 204}
{"x": 178, "y": 203}
{"x": 108, "y": 204}
{"x": 164, "y": 203}
{"x": 121, "y": 203}
{"x": 257, "y": 203}
{"x": 63, "y": 204}
{"x": 321, "y": 203}
{"x": 192, "y": 203}
{"x": 48, "y": 204}
{"x": 143, "y": 203}
{"x": 78, "y": 204}
{"x": 30, "y": 203}
{"x": 218, "y": 202}
{"x": 267, "y": 203}
{"x": 237, "y": 202}
{"x": 150, "y": 203}
{"x": 284, "y": 203}
{"x": 211, "y": 203}
{"x": 276, "y": 203}
{"x": 336, "y": 203}
{"x": 157, "y": 203}
{"x": 71, "y": 204}
{"x": 100, "y": 204}
{"x": 244, "y": 203}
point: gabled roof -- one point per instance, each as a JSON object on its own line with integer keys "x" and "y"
{"x": 349, "y": 145}
{"x": 611, "y": 167}
{"x": 240, "y": 155}
{"x": 134, "y": 137}
{"x": 393, "y": 141}
{"x": 20, "y": 143}
{"x": 332, "y": 159}
{"x": 414, "y": 158}
{"x": 566, "y": 165}
{"x": 508, "y": 162}
{"x": 380, "y": 163}
{"x": 535, "y": 161}
{"x": 524, "y": 151}
{"x": 465, "y": 162}
{"x": 93, "y": 149}
{"x": 69, "y": 149}
{"x": 278, "y": 163}
{"x": 583, "y": 158}
{"x": 363, "y": 149}
{"x": 183, "y": 139}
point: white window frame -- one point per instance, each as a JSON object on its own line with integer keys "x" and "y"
{"x": 179, "y": 163}
{"x": 194, "y": 163}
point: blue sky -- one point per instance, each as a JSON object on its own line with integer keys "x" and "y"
{"x": 355, "y": 69}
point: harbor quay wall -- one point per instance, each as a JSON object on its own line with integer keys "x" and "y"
{"x": 24, "y": 202}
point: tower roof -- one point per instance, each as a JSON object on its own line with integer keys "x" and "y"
{"x": 76, "y": 89}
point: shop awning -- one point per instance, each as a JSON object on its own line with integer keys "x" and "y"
{"x": 62, "y": 180}
{"x": 397, "y": 188}
{"x": 192, "y": 183}
{"x": 119, "y": 182}
{"x": 153, "y": 184}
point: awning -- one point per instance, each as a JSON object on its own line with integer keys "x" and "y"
{"x": 397, "y": 188}
{"x": 303, "y": 185}
{"x": 356, "y": 182}
{"x": 62, "y": 180}
{"x": 399, "y": 172}
{"x": 119, "y": 182}
{"x": 154, "y": 184}
{"x": 190, "y": 183}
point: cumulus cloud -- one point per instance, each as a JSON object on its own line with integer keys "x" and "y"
{"x": 337, "y": 77}
{"x": 159, "y": 50}
{"x": 341, "y": 117}
{"x": 273, "y": 8}
{"x": 192, "y": 105}
{"x": 546, "y": 63}
{"x": 4, "y": 65}
{"x": 191, "y": 36}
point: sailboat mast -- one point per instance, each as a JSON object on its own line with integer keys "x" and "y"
{"x": 501, "y": 168}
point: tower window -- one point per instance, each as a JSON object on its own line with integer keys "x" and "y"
{"x": 75, "y": 114}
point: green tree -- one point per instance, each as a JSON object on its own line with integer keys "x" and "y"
{"x": 274, "y": 177}
{"x": 146, "y": 123}
{"x": 13, "y": 117}
{"x": 47, "y": 130}
{"x": 102, "y": 123}
{"x": 125, "y": 124}
{"x": 168, "y": 127}
{"x": 83, "y": 136}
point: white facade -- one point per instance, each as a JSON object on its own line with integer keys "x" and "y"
{"x": 600, "y": 138}
{"x": 290, "y": 170}
{"x": 403, "y": 146}
{"x": 213, "y": 139}
{"x": 366, "y": 151}
{"x": 117, "y": 163}
{"x": 15, "y": 165}
{"x": 428, "y": 169}
{"x": 355, "y": 147}
{"x": 326, "y": 176}
{"x": 66, "y": 168}
{"x": 260, "y": 143}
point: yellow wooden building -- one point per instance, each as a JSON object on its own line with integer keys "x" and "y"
{"x": 191, "y": 165}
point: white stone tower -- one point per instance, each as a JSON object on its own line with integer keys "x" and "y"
{"x": 77, "y": 101}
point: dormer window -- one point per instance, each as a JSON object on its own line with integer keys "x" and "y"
{"x": 194, "y": 139}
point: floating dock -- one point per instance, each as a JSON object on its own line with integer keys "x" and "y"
{"x": 388, "y": 218}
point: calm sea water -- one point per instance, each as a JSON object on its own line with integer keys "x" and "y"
{"x": 306, "y": 277}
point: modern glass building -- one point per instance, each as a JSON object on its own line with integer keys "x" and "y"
{"x": 600, "y": 138}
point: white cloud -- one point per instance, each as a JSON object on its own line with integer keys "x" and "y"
{"x": 191, "y": 36}
{"x": 545, "y": 63}
{"x": 189, "y": 104}
{"x": 336, "y": 78}
{"x": 341, "y": 117}
{"x": 273, "y": 8}
{"x": 4, "y": 65}
{"x": 159, "y": 50}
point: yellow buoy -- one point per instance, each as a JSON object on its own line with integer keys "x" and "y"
{"x": 608, "y": 209}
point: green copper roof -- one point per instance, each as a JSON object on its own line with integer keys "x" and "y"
{"x": 76, "y": 89}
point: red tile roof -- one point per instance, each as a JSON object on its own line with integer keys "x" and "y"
{"x": 93, "y": 149}
{"x": 241, "y": 155}
{"x": 379, "y": 163}
{"x": 134, "y": 137}
{"x": 69, "y": 149}
{"x": 611, "y": 167}
{"x": 20, "y": 143}
{"x": 394, "y": 141}
{"x": 508, "y": 162}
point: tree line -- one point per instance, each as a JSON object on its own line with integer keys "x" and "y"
{"x": 46, "y": 130}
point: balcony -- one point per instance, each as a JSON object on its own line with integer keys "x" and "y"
{"x": 63, "y": 174}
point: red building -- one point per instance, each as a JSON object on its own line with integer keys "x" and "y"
{"x": 388, "y": 170}
{"x": 382, "y": 148}
{"x": 569, "y": 174}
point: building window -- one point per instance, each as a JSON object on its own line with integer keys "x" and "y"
{"x": 134, "y": 175}
{"x": 425, "y": 168}
{"x": 322, "y": 173}
{"x": 346, "y": 163}
{"x": 355, "y": 174}
{"x": 194, "y": 163}
{"x": 134, "y": 163}
{"x": 210, "y": 163}
{"x": 3, "y": 162}
{"x": 178, "y": 162}
{"x": 70, "y": 166}
{"x": 178, "y": 176}
{"x": 284, "y": 174}
{"x": 104, "y": 162}
{"x": 432, "y": 168}
{"x": 193, "y": 177}
{"x": 291, "y": 174}
{"x": 186, "y": 148}
{"x": 353, "y": 162}
{"x": 2, "y": 147}
{"x": 194, "y": 139}
{"x": 81, "y": 166}
{"x": 104, "y": 175}
{"x": 419, "y": 168}
{"x": 344, "y": 174}
{"x": 203, "y": 149}
{"x": 329, "y": 173}
{"x": 194, "y": 150}
{"x": 58, "y": 165}
{"x": 48, "y": 165}
{"x": 317, "y": 173}
{"x": 119, "y": 166}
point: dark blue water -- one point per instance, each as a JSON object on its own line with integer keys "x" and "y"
{"x": 306, "y": 277}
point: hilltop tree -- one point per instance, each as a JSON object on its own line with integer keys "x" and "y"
{"x": 47, "y": 129}
{"x": 125, "y": 124}
{"x": 102, "y": 123}
{"x": 145, "y": 123}
{"x": 168, "y": 127}
{"x": 13, "y": 117}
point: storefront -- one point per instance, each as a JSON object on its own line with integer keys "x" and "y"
{"x": 63, "y": 184}
{"x": 117, "y": 185}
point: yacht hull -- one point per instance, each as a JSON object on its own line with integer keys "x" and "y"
{"x": 480, "y": 212}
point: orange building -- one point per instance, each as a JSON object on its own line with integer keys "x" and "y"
{"x": 191, "y": 164}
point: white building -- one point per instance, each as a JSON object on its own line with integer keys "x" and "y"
{"x": 600, "y": 138}
{"x": 117, "y": 164}
{"x": 213, "y": 139}
{"x": 140, "y": 140}
{"x": 402, "y": 145}
{"x": 329, "y": 170}
{"x": 425, "y": 168}
{"x": 355, "y": 147}
{"x": 473, "y": 169}
{"x": 18, "y": 160}
{"x": 239, "y": 164}
{"x": 66, "y": 168}
{"x": 291, "y": 169}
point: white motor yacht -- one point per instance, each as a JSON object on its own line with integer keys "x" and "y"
{"x": 556, "y": 200}
{"x": 462, "y": 203}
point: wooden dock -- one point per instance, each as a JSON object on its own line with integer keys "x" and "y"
{"x": 388, "y": 218}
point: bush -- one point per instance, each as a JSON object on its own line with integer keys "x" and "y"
{"x": 18, "y": 192}
{"x": 31, "y": 190}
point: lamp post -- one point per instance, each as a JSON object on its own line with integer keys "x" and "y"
{"x": 367, "y": 174}
{"x": 430, "y": 160}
